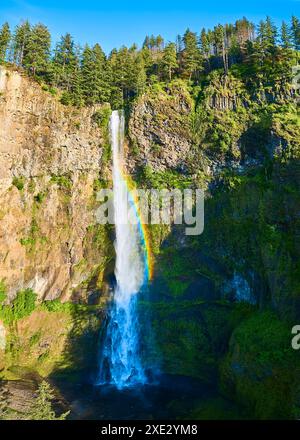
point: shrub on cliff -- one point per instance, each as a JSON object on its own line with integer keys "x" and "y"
{"x": 18, "y": 182}
{"x": 23, "y": 305}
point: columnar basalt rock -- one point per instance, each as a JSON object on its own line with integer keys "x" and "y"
{"x": 159, "y": 129}
{"x": 50, "y": 157}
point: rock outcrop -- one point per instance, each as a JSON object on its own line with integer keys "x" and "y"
{"x": 159, "y": 129}
{"x": 50, "y": 157}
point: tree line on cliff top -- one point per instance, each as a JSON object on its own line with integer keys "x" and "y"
{"x": 87, "y": 76}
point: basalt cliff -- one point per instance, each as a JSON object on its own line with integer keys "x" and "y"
{"x": 50, "y": 158}
{"x": 226, "y": 299}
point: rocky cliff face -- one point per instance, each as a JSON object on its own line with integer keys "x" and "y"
{"x": 50, "y": 157}
{"x": 159, "y": 129}
{"x": 209, "y": 293}
{"x": 219, "y": 287}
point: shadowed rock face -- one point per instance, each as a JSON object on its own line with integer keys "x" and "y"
{"x": 50, "y": 156}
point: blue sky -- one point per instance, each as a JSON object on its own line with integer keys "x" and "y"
{"x": 113, "y": 23}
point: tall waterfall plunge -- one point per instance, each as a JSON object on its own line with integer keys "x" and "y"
{"x": 120, "y": 358}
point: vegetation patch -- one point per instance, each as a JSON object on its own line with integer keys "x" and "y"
{"x": 22, "y": 306}
{"x": 63, "y": 182}
{"x": 19, "y": 182}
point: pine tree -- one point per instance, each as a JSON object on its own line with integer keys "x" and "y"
{"x": 296, "y": 32}
{"x": 179, "y": 44}
{"x": 169, "y": 60}
{"x": 244, "y": 31}
{"x": 146, "y": 43}
{"x": 270, "y": 34}
{"x": 87, "y": 76}
{"x": 120, "y": 64}
{"x": 66, "y": 70}
{"x": 159, "y": 42}
{"x": 64, "y": 62}
{"x": 37, "y": 50}
{"x": 261, "y": 38}
{"x": 94, "y": 81}
{"x": 266, "y": 42}
{"x": 75, "y": 90}
{"x": 19, "y": 42}
{"x": 102, "y": 77}
{"x": 4, "y": 40}
{"x": 125, "y": 72}
{"x": 205, "y": 45}
{"x": 286, "y": 41}
{"x": 42, "y": 407}
{"x": 116, "y": 95}
{"x": 148, "y": 59}
{"x": 191, "y": 55}
{"x": 128, "y": 74}
{"x": 141, "y": 77}
{"x": 221, "y": 45}
{"x": 152, "y": 42}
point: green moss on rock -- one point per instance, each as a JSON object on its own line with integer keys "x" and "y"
{"x": 261, "y": 370}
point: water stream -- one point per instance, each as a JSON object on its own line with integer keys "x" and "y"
{"x": 120, "y": 362}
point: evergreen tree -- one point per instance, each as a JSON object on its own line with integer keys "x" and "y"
{"x": 64, "y": 62}
{"x": 286, "y": 41}
{"x": 220, "y": 45}
{"x": 148, "y": 59}
{"x": 125, "y": 72}
{"x": 169, "y": 60}
{"x": 66, "y": 70}
{"x": 191, "y": 55}
{"x": 296, "y": 32}
{"x": 270, "y": 34}
{"x": 37, "y": 50}
{"x": 19, "y": 42}
{"x": 141, "y": 77}
{"x": 4, "y": 40}
{"x": 146, "y": 43}
{"x": 89, "y": 92}
{"x": 179, "y": 44}
{"x": 128, "y": 73}
{"x": 159, "y": 43}
{"x": 116, "y": 92}
{"x": 235, "y": 49}
{"x": 205, "y": 45}
{"x": 261, "y": 45}
{"x": 94, "y": 81}
{"x": 179, "y": 50}
{"x": 120, "y": 68}
{"x": 267, "y": 34}
{"x": 102, "y": 77}
{"x": 75, "y": 90}
{"x": 42, "y": 407}
{"x": 244, "y": 32}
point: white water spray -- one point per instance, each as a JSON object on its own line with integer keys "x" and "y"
{"x": 120, "y": 359}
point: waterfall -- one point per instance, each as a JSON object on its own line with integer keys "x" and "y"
{"x": 120, "y": 362}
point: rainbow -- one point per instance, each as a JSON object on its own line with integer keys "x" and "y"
{"x": 142, "y": 227}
